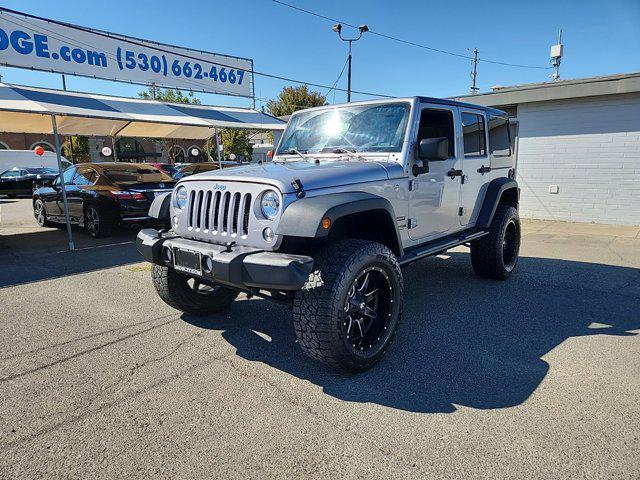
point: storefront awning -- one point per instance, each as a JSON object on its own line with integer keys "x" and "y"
{"x": 28, "y": 110}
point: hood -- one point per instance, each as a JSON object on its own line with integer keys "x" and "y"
{"x": 328, "y": 173}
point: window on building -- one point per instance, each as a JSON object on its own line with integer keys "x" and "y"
{"x": 499, "y": 142}
{"x": 46, "y": 146}
{"x": 176, "y": 154}
{"x": 436, "y": 124}
{"x": 473, "y": 130}
{"x": 130, "y": 150}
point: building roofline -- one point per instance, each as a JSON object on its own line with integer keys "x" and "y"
{"x": 564, "y": 89}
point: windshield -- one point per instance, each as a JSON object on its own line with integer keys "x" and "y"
{"x": 358, "y": 128}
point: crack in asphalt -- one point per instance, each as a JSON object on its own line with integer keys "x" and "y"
{"x": 296, "y": 403}
{"x": 113, "y": 403}
{"x": 84, "y": 352}
{"x": 86, "y": 337}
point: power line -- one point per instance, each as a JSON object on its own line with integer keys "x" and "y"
{"x": 160, "y": 49}
{"x": 407, "y": 42}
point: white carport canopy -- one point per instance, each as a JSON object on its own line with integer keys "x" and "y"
{"x": 57, "y": 112}
{"x": 28, "y": 110}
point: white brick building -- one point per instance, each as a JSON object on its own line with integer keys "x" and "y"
{"x": 577, "y": 146}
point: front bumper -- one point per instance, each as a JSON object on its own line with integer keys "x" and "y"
{"x": 241, "y": 267}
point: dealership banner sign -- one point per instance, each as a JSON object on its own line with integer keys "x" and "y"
{"x": 40, "y": 44}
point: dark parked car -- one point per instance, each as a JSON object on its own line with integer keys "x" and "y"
{"x": 101, "y": 196}
{"x": 22, "y": 181}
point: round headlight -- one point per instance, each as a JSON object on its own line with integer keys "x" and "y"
{"x": 180, "y": 198}
{"x": 270, "y": 204}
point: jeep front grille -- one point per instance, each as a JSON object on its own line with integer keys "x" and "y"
{"x": 220, "y": 213}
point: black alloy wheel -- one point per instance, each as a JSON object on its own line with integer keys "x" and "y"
{"x": 367, "y": 309}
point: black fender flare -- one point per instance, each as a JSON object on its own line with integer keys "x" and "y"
{"x": 160, "y": 207}
{"x": 303, "y": 218}
{"x": 495, "y": 190}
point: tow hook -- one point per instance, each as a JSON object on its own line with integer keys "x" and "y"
{"x": 228, "y": 247}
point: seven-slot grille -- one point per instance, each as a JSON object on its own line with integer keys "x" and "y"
{"x": 221, "y": 213}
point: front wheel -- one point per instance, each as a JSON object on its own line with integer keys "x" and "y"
{"x": 190, "y": 294}
{"x": 495, "y": 256}
{"x": 40, "y": 214}
{"x": 347, "y": 313}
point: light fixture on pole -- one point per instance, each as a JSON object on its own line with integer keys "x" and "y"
{"x": 338, "y": 29}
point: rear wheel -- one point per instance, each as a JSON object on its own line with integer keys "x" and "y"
{"x": 495, "y": 255}
{"x": 96, "y": 222}
{"x": 190, "y": 294}
{"x": 347, "y": 313}
{"x": 40, "y": 214}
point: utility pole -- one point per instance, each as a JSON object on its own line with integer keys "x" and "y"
{"x": 69, "y": 139}
{"x": 338, "y": 29}
{"x": 153, "y": 90}
{"x": 474, "y": 74}
{"x": 556, "y": 57}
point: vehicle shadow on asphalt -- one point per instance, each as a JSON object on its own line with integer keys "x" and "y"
{"x": 43, "y": 254}
{"x": 464, "y": 340}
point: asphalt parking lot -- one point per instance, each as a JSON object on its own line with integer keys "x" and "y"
{"x": 536, "y": 377}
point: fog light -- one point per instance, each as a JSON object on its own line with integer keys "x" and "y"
{"x": 268, "y": 235}
{"x": 167, "y": 254}
{"x": 207, "y": 264}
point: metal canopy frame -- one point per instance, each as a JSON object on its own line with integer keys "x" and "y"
{"x": 207, "y": 125}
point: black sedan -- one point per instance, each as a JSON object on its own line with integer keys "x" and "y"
{"x": 101, "y": 196}
{"x": 23, "y": 181}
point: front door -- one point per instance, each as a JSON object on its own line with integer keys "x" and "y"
{"x": 434, "y": 196}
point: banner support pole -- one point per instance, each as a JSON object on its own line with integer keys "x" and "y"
{"x": 56, "y": 141}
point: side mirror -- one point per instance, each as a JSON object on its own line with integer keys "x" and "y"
{"x": 434, "y": 148}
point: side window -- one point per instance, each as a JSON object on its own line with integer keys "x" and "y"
{"x": 437, "y": 123}
{"x": 68, "y": 175}
{"x": 473, "y": 130}
{"x": 499, "y": 141}
{"x": 9, "y": 174}
{"x": 85, "y": 176}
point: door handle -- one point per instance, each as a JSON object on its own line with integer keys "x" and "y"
{"x": 453, "y": 173}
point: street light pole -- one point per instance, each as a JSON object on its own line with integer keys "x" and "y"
{"x": 338, "y": 29}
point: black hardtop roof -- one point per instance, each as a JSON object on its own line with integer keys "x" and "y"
{"x": 454, "y": 103}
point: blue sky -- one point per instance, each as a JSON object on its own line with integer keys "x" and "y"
{"x": 600, "y": 38}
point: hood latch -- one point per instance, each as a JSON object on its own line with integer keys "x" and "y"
{"x": 298, "y": 188}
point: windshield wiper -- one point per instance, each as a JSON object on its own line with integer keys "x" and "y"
{"x": 293, "y": 151}
{"x": 351, "y": 153}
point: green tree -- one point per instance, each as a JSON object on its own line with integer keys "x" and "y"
{"x": 80, "y": 149}
{"x": 236, "y": 140}
{"x": 292, "y": 99}
{"x": 169, "y": 95}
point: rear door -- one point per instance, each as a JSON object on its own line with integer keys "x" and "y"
{"x": 475, "y": 159}
{"x": 434, "y": 196}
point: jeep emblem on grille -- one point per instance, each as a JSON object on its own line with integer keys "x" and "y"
{"x": 219, "y": 186}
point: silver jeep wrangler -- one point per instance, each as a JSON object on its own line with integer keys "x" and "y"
{"x": 354, "y": 193}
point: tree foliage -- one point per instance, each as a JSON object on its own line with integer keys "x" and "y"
{"x": 292, "y": 99}
{"x": 236, "y": 140}
{"x": 80, "y": 149}
{"x": 169, "y": 95}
